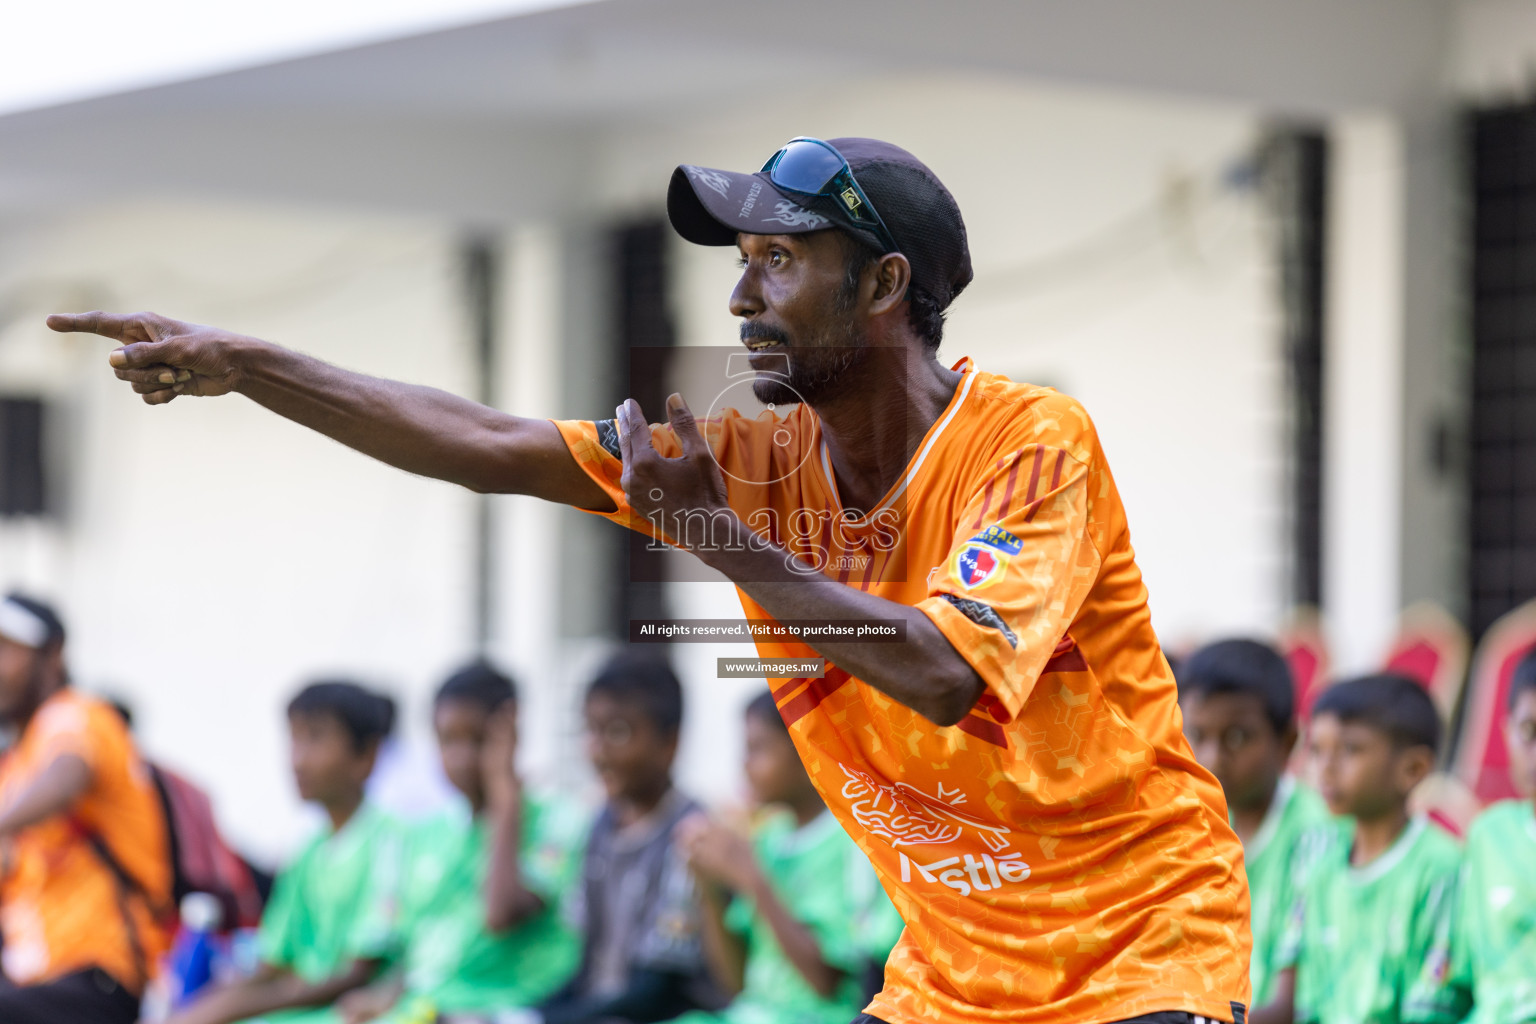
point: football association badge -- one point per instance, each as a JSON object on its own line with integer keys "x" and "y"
{"x": 976, "y": 565}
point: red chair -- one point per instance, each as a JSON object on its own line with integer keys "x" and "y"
{"x": 1432, "y": 648}
{"x": 1482, "y": 760}
{"x": 1304, "y": 648}
{"x": 1306, "y": 651}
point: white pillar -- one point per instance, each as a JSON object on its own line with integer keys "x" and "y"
{"x": 1363, "y": 374}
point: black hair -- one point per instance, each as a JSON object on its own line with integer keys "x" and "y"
{"x": 648, "y": 683}
{"x": 1391, "y": 703}
{"x": 924, "y": 313}
{"x": 1524, "y": 678}
{"x": 367, "y": 716}
{"x": 765, "y": 708}
{"x": 44, "y": 612}
{"x": 479, "y": 683}
{"x": 1245, "y": 667}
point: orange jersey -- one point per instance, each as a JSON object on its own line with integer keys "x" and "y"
{"x": 60, "y": 907}
{"x": 1058, "y": 855}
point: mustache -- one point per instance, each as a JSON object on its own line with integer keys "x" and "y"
{"x": 751, "y": 330}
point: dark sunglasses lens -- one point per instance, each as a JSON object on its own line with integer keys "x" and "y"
{"x": 806, "y": 167}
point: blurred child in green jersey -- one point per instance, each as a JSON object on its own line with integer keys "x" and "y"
{"x": 1495, "y": 951}
{"x": 1239, "y": 709}
{"x": 1371, "y": 936}
{"x": 791, "y": 917}
{"x": 479, "y": 927}
{"x": 325, "y": 930}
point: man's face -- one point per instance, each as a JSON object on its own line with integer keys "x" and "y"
{"x": 1232, "y": 737}
{"x": 1520, "y": 737}
{"x": 327, "y": 766}
{"x": 797, "y": 306}
{"x": 19, "y": 669}
{"x": 631, "y": 756}
{"x": 1359, "y": 770}
{"x": 460, "y": 728}
{"x": 773, "y": 768}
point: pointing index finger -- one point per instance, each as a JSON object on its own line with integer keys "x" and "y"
{"x": 108, "y": 325}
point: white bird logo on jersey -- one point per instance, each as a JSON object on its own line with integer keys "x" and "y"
{"x": 906, "y": 816}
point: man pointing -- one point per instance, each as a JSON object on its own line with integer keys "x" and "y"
{"x": 1014, "y": 767}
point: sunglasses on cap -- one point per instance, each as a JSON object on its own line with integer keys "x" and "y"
{"x": 811, "y": 167}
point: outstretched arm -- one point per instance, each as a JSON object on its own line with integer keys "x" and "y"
{"x": 417, "y": 429}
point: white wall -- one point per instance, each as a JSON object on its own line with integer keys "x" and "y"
{"x": 211, "y": 557}
{"x": 1492, "y": 51}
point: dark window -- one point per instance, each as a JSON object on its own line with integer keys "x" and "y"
{"x": 1295, "y": 168}
{"x": 22, "y": 490}
{"x": 1502, "y": 145}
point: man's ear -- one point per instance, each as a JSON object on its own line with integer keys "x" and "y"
{"x": 1413, "y": 765}
{"x": 893, "y": 276}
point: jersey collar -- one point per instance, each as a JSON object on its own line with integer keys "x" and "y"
{"x": 1394, "y": 855}
{"x": 963, "y": 390}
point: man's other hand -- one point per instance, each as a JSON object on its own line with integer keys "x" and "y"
{"x": 160, "y": 357}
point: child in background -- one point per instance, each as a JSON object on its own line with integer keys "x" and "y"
{"x": 480, "y": 928}
{"x": 1239, "y": 708}
{"x": 784, "y": 915}
{"x": 635, "y": 905}
{"x": 1373, "y": 926}
{"x": 1496, "y": 928}
{"x": 325, "y": 929}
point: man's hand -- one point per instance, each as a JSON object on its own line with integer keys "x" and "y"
{"x": 161, "y": 357}
{"x": 718, "y": 854}
{"x": 665, "y": 490}
{"x": 364, "y": 1004}
{"x": 498, "y": 757}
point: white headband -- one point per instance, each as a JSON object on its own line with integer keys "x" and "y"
{"x": 23, "y": 625}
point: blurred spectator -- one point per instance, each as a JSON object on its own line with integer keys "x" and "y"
{"x": 1239, "y": 709}
{"x": 480, "y": 926}
{"x": 788, "y": 913}
{"x": 1371, "y": 938}
{"x": 85, "y": 874}
{"x": 641, "y": 959}
{"x": 326, "y": 930}
{"x": 1495, "y": 952}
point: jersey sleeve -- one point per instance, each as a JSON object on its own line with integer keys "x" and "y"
{"x": 1019, "y": 567}
{"x": 751, "y": 453}
{"x": 67, "y": 727}
{"x": 594, "y": 444}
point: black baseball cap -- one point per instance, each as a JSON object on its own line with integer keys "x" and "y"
{"x": 710, "y": 207}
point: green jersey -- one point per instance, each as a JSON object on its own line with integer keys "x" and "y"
{"x": 1495, "y": 952}
{"x": 825, "y": 883}
{"x": 1296, "y": 830}
{"x": 1372, "y": 944}
{"x": 332, "y": 906}
{"x": 450, "y": 961}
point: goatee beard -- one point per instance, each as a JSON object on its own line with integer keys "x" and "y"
{"x": 815, "y": 372}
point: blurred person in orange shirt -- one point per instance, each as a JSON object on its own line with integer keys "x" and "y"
{"x": 84, "y": 871}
